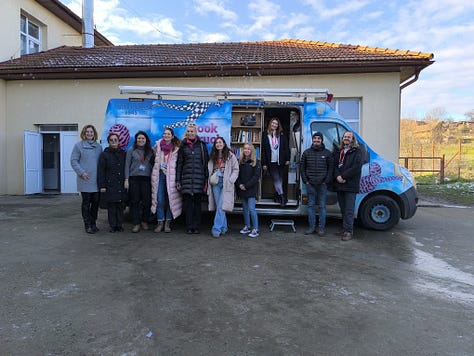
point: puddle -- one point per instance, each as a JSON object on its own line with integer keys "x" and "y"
{"x": 443, "y": 279}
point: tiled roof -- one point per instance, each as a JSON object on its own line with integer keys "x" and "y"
{"x": 231, "y": 56}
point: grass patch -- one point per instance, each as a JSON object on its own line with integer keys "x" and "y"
{"x": 459, "y": 193}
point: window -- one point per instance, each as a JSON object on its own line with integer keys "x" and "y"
{"x": 30, "y": 36}
{"x": 349, "y": 109}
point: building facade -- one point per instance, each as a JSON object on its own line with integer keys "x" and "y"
{"x": 57, "y": 91}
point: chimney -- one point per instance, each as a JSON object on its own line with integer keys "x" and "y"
{"x": 87, "y": 23}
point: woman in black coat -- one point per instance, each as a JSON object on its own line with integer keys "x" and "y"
{"x": 110, "y": 179}
{"x": 191, "y": 177}
{"x": 275, "y": 155}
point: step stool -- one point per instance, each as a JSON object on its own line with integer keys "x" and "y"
{"x": 282, "y": 222}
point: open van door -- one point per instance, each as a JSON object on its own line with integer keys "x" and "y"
{"x": 33, "y": 163}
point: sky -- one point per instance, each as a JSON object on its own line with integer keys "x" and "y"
{"x": 444, "y": 28}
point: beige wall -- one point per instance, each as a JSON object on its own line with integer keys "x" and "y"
{"x": 55, "y": 32}
{"x": 3, "y": 130}
{"x": 84, "y": 101}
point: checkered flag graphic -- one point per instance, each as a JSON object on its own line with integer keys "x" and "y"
{"x": 197, "y": 108}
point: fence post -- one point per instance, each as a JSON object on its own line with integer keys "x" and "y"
{"x": 441, "y": 169}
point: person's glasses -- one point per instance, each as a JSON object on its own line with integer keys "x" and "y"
{"x": 113, "y": 139}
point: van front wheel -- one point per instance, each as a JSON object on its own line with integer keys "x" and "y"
{"x": 380, "y": 213}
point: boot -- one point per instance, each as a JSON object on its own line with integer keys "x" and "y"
{"x": 89, "y": 229}
{"x": 159, "y": 227}
{"x": 136, "y": 228}
{"x": 167, "y": 226}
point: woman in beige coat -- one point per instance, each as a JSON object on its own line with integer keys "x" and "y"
{"x": 166, "y": 200}
{"x": 221, "y": 195}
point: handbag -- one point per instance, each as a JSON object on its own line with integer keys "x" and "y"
{"x": 214, "y": 178}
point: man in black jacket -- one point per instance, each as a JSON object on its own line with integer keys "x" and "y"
{"x": 316, "y": 172}
{"x": 347, "y": 173}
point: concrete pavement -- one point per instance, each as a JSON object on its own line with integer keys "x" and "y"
{"x": 63, "y": 292}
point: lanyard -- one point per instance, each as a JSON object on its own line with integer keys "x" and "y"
{"x": 142, "y": 157}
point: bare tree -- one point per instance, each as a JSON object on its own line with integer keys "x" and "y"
{"x": 437, "y": 114}
{"x": 470, "y": 115}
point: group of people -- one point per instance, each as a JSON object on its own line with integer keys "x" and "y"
{"x": 173, "y": 175}
{"x": 166, "y": 179}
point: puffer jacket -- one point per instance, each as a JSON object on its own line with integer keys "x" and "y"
{"x": 191, "y": 168}
{"x": 174, "y": 196}
{"x": 350, "y": 170}
{"x": 230, "y": 174}
{"x": 317, "y": 165}
{"x": 111, "y": 174}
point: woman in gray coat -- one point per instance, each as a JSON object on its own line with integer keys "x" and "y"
{"x": 84, "y": 161}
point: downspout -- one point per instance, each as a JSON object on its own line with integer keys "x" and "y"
{"x": 88, "y": 23}
{"x": 411, "y": 81}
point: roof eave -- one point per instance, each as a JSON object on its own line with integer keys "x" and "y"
{"x": 209, "y": 70}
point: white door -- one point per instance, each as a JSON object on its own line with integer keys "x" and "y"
{"x": 68, "y": 176}
{"x": 32, "y": 158}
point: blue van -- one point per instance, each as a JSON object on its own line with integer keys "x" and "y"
{"x": 387, "y": 190}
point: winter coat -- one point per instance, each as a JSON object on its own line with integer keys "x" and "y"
{"x": 174, "y": 196}
{"x": 248, "y": 176}
{"x": 111, "y": 175}
{"x": 283, "y": 150}
{"x": 230, "y": 175}
{"x": 191, "y": 168}
{"x": 85, "y": 159}
{"x": 317, "y": 165}
{"x": 350, "y": 170}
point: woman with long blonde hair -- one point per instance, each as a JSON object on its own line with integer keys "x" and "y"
{"x": 247, "y": 184}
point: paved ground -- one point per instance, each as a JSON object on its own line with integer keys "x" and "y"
{"x": 409, "y": 291}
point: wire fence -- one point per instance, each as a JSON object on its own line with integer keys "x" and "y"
{"x": 446, "y": 161}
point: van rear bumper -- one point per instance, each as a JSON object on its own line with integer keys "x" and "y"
{"x": 409, "y": 203}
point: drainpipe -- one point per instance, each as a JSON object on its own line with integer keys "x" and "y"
{"x": 417, "y": 74}
{"x": 87, "y": 23}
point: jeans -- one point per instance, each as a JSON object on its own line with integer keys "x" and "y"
{"x": 346, "y": 202}
{"x": 317, "y": 193}
{"x": 90, "y": 208}
{"x": 220, "y": 219}
{"x": 248, "y": 205}
{"x": 163, "y": 210}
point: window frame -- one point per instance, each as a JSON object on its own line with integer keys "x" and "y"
{"x": 29, "y": 44}
{"x": 353, "y": 123}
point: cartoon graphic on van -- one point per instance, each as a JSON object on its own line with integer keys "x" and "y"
{"x": 387, "y": 190}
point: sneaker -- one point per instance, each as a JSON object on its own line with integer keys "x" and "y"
{"x": 347, "y": 236}
{"x": 253, "y": 233}
{"x": 215, "y": 234}
{"x": 321, "y": 231}
{"x": 310, "y": 231}
{"x": 245, "y": 230}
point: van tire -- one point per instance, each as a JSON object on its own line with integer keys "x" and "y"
{"x": 379, "y": 213}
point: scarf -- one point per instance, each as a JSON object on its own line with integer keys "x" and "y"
{"x": 191, "y": 143}
{"x": 166, "y": 147}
